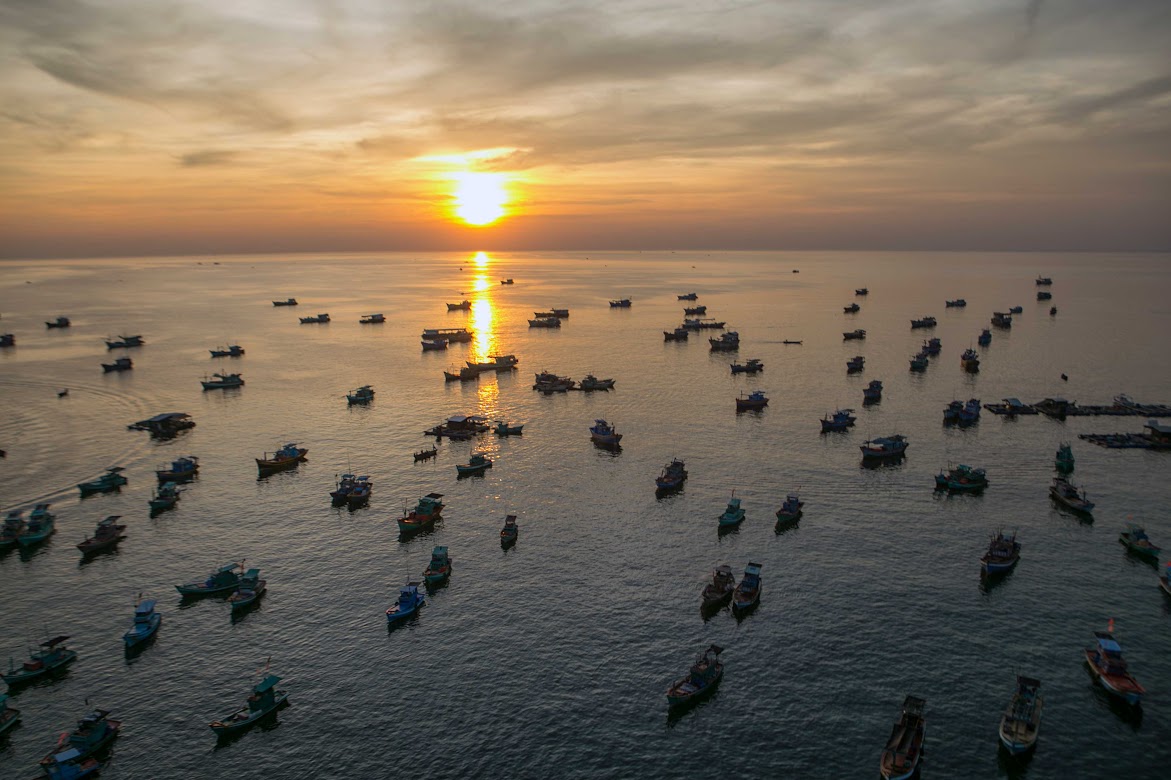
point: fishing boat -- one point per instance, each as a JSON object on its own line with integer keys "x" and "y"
{"x": 919, "y": 362}
{"x": 1137, "y": 541}
{"x": 872, "y": 392}
{"x": 1043, "y": 281}
{"x": 694, "y": 311}
{"x": 1110, "y": 668}
{"x": 182, "y": 469}
{"x": 1069, "y": 496}
{"x": 223, "y": 580}
{"x": 1001, "y": 319}
{"x": 958, "y": 303}
{"x": 286, "y": 302}
{"x": 165, "y": 497}
{"x": 124, "y": 342}
{"x": 1003, "y": 553}
{"x": 1052, "y": 311}
{"x": 852, "y": 308}
{"x": 424, "y": 514}
{"x": 496, "y": 363}
{"x": 790, "y": 341}
{"x": 372, "y": 319}
{"x": 985, "y": 337}
{"x": 900, "y": 758}
{"x": 884, "y": 447}
{"x": 679, "y": 334}
{"x": 360, "y": 493}
{"x": 1022, "y": 718}
{"x": 52, "y": 655}
{"x": 1064, "y": 459}
{"x": 562, "y": 313}
{"x": 790, "y": 511}
{"x": 727, "y": 342}
{"x": 1016, "y": 309}
{"x": 286, "y": 457}
{"x": 477, "y": 464}
{"x": 719, "y": 591}
{"x": 971, "y": 412}
{"x": 590, "y": 383}
{"x": 146, "y": 623}
{"x": 841, "y": 420}
{"x": 859, "y": 291}
{"x": 621, "y": 303}
{"x": 265, "y": 698}
{"x": 970, "y": 361}
{"x": 962, "y": 478}
{"x": 439, "y": 568}
{"x": 464, "y": 374}
{"x": 753, "y": 401}
{"x": 1165, "y": 579}
{"x": 13, "y": 528}
{"x": 68, "y": 765}
{"x": 344, "y": 485}
{"x": 1044, "y": 296}
{"x": 360, "y": 395}
{"x": 673, "y": 476}
{"x": 453, "y": 335}
{"x": 9, "y": 716}
{"x": 702, "y": 323}
{"x": 854, "y": 335}
{"x": 94, "y": 733}
{"x": 855, "y": 364}
{"x": 924, "y": 322}
{"x": 222, "y": 381}
{"x": 60, "y": 322}
{"x": 507, "y": 281}
{"x": 503, "y": 428}
{"x": 235, "y": 350}
{"x": 434, "y": 345}
{"x": 700, "y": 681}
{"x": 509, "y": 533}
{"x": 601, "y": 432}
{"x": 688, "y": 296}
{"x": 121, "y": 364}
{"x": 7, "y": 340}
{"x": 316, "y": 319}
{"x": 551, "y": 383}
{"x": 931, "y": 346}
{"x": 111, "y": 480}
{"x": 752, "y": 366}
{"x": 747, "y": 594}
{"x": 464, "y": 305}
{"x": 107, "y": 534}
{"x": 40, "y": 526}
{"x": 248, "y": 590}
{"x": 426, "y": 454}
{"x": 733, "y": 513}
{"x": 409, "y": 601}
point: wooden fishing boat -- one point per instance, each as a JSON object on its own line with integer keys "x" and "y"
{"x": 719, "y": 591}
{"x": 320, "y": 318}
{"x": 464, "y": 305}
{"x": 111, "y": 480}
{"x": 465, "y": 374}
{"x": 673, "y": 476}
{"x": 694, "y": 311}
{"x": 900, "y": 759}
{"x": 601, "y": 432}
{"x": 342, "y": 489}
{"x": 1137, "y": 542}
{"x": 1021, "y": 722}
{"x": 510, "y": 531}
{"x": 220, "y": 381}
{"x": 841, "y": 420}
{"x": 235, "y": 350}
{"x": 13, "y": 528}
{"x": 700, "y": 681}
{"x": 286, "y": 457}
{"x": 121, "y": 364}
{"x": 733, "y": 514}
{"x": 851, "y": 309}
{"x": 146, "y": 624}
{"x": 426, "y": 454}
{"x": 52, "y": 655}
{"x": 372, "y": 319}
{"x": 985, "y": 337}
{"x": 68, "y": 765}
{"x": 747, "y": 593}
{"x": 854, "y": 335}
{"x": 223, "y": 580}
{"x": 433, "y": 345}
{"x": 545, "y": 322}
{"x": 751, "y": 366}
{"x": 182, "y": 469}
{"x": 688, "y": 296}
{"x": 60, "y": 322}
{"x": 884, "y": 448}
{"x": 424, "y": 514}
{"x": 1110, "y": 669}
{"x": 925, "y": 322}
{"x": 957, "y": 303}
{"x": 477, "y": 464}
{"x": 439, "y": 569}
{"x": 496, "y": 363}
{"x": 970, "y": 361}
{"x": 410, "y": 599}
{"x": 790, "y": 511}
{"x": 727, "y": 342}
{"x": 1004, "y": 551}
{"x": 107, "y": 534}
{"x": 855, "y": 364}
{"x": 360, "y": 494}
{"x": 1070, "y": 497}
{"x": 94, "y": 733}
{"x": 265, "y": 698}
{"x": 248, "y": 590}
{"x": 919, "y": 362}
{"x": 503, "y": 428}
{"x": 591, "y": 382}
{"x": 41, "y": 525}
{"x": 165, "y": 497}
{"x": 124, "y": 342}
{"x": 452, "y": 335}
{"x": 361, "y": 395}
{"x": 621, "y": 303}
{"x": 872, "y": 393}
{"x": 679, "y": 334}
{"x": 751, "y": 402}
{"x": 507, "y": 281}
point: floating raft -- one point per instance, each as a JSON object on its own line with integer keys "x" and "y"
{"x": 1155, "y": 436}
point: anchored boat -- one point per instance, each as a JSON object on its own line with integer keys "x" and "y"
{"x": 111, "y": 480}
{"x": 41, "y": 525}
{"x": 286, "y": 457}
{"x": 1003, "y": 553}
{"x": 841, "y": 420}
{"x": 477, "y": 464}
{"x": 884, "y": 447}
{"x": 790, "y": 511}
{"x": 146, "y": 624}
{"x": 701, "y": 679}
{"x": 509, "y": 533}
{"x": 1070, "y": 497}
{"x": 733, "y": 513}
{"x": 753, "y": 401}
{"x": 747, "y": 593}
{"x": 223, "y": 580}
{"x": 265, "y": 698}
{"x": 94, "y": 733}
{"x": 107, "y": 534}
{"x": 219, "y": 381}
{"x": 673, "y": 476}
{"x": 424, "y": 514}
{"x": 439, "y": 569}
{"x": 601, "y": 432}
{"x": 719, "y": 591}
{"x": 904, "y": 749}
{"x": 52, "y": 655}
{"x": 1137, "y": 541}
{"x": 409, "y": 602}
{"x": 1021, "y": 721}
{"x": 248, "y": 590}
{"x": 1110, "y": 669}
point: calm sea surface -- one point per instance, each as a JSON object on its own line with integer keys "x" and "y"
{"x": 550, "y": 660}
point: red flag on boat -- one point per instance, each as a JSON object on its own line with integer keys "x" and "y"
{"x": 1110, "y": 626}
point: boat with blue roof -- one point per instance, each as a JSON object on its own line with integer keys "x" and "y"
{"x": 286, "y": 457}
{"x": 94, "y": 733}
{"x": 703, "y": 677}
{"x": 111, "y": 480}
{"x": 1021, "y": 722}
{"x": 360, "y": 495}
{"x": 790, "y": 511}
{"x": 971, "y": 412}
{"x": 146, "y": 624}
{"x": 673, "y": 476}
{"x": 747, "y": 593}
{"x": 248, "y": 590}
{"x": 52, "y": 654}
{"x": 1110, "y": 668}
{"x": 265, "y": 698}
{"x": 605, "y": 434}
{"x": 223, "y": 580}
{"x": 342, "y": 490}
{"x": 439, "y": 569}
{"x": 752, "y": 402}
{"x": 69, "y": 765}
{"x": 183, "y": 469}
{"x": 961, "y": 479}
{"x": 107, "y": 534}
{"x": 733, "y": 513}
{"x": 1004, "y": 551}
{"x": 1137, "y": 542}
{"x": 841, "y": 420}
{"x": 41, "y": 525}
{"x": 985, "y": 337}
{"x": 165, "y": 497}
{"x": 410, "y": 599}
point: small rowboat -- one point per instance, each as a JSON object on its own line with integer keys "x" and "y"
{"x": 426, "y": 454}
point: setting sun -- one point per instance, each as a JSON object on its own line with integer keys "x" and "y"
{"x": 480, "y": 197}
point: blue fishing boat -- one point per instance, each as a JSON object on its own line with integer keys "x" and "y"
{"x": 985, "y": 338}
{"x": 361, "y": 395}
{"x": 747, "y": 593}
{"x": 673, "y": 476}
{"x": 341, "y": 493}
{"x": 223, "y": 580}
{"x": 248, "y": 590}
{"x": 1021, "y": 722}
{"x": 52, "y": 655}
{"x": 69, "y": 765}
{"x": 961, "y": 478}
{"x": 182, "y": 469}
{"x": 360, "y": 495}
{"x": 904, "y": 749}
{"x": 107, "y": 534}
{"x": 1137, "y": 541}
{"x": 970, "y": 361}
{"x": 9, "y": 716}
{"x": 265, "y": 698}
{"x": 111, "y": 480}
{"x": 790, "y": 511}
{"x": 1110, "y": 669}
{"x": 605, "y": 434}
{"x": 165, "y": 497}
{"x": 621, "y": 303}
{"x": 94, "y": 733}
{"x": 12, "y": 529}
{"x": 1064, "y": 459}
{"x": 1016, "y": 309}
{"x": 409, "y": 602}
{"x": 439, "y": 569}
{"x": 477, "y": 464}
{"x": 40, "y": 526}
{"x": 733, "y": 513}
{"x": 700, "y": 681}
{"x": 872, "y": 393}
{"x": 1004, "y": 551}
{"x": 841, "y": 420}
{"x": 752, "y": 402}
{"x": 146, "y": 624}
{"x": 510, "y": 531}
{"x": 884, "y": 447}
{"x": 424, "y": 514}
{"x": 286, "y": 457}
{"x": 951, "y": 414}
{"x": 932, "y": 346}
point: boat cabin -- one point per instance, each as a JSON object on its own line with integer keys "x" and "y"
{"x": 263, "y": 693}
{"x": 1159, "y": 433}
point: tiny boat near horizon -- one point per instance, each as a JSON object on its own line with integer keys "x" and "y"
{"x": 694, "y": 311}
{"x": 265, "y": 698}
{"x": 1021, "y": 722}
{"x": 107, "y": 534}
{"x": 360, "y": 395}
{"x": 719, "y": 591}
{"x": 319, "y": 318}
{"x": 372, "y": 319}
{"x": 409, "y": 602}
{"x": 700, "y": 681}
{"x": 219, "y": 381}
{"x": 747, "y": 594}
{"x": 286, "y": 302}
{"x": 1110, "y": 669}
{"x": 904, "y": 749}
{"x": 235, "y": 350}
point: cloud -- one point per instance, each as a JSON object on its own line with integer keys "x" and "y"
{"x": 207, "y": 157}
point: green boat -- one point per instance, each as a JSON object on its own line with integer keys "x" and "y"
{"x": 52, "y": 655}
{"x": 165, "y": 497}
{"x": 1137, "y": 541}
{"x": 111, "y": 480}
{"x": 440, "y": 567}
{"x": 250, "y": 589}
{"x": 9, "y": 716}
{"x": 223, "y": 580}
{"x": 424, "y": 514}
{"x": 477, "y": 464}
{"x": 265, "y": 698}
{"x": 40, "y": 526}
{"x": 1064, "y": 460}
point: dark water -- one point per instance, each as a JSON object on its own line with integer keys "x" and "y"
{"x": 551, "y": 659}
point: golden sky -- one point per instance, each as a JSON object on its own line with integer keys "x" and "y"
{"x": 179, "y": 127}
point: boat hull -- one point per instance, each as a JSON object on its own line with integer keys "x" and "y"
{"x": 21, "y": 676}
{"x": 133, "y": 638}
{"x": 224, "y": 728}
{"x": 678, "y": 699}
{"x": 1120, "y": 688}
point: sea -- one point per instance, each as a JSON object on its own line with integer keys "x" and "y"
{"x": 551, "y": 659}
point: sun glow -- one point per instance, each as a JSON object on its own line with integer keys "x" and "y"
{"x": 480, "y": 197}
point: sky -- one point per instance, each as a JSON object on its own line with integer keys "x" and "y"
{"x": 179, "y": 127}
